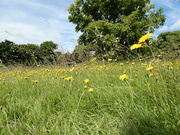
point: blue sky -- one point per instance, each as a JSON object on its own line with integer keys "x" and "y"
{"x": 36, "y": 21}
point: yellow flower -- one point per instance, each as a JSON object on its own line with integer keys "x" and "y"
{"x": 1, "y": 107}
{"x": 86, "y": 81}
{"x": 145, "y": 37}
{"x": 121, "y": 64}
{"x": 91, "y": 90}
{"x": 93, "y": 59}
{"x": 149, "y": 68}
{"x": 123, "y": 77}
{"x": 85, "y": 87}
{"x": 72, "y": 69}
{"x": 151, "y": 75}
{"x": 62, "y": 77}
{"x": 34, "y": 81}
{"x": 69, "y": 79}
{"x": 109, "y": 60}
{"x": 135, "y": 46}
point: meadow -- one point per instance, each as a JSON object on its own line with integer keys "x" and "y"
{"x": 94, "y": 98}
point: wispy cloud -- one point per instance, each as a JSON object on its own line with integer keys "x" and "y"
{"x": 36, "y": 21}
{"x": 175, "y": 25}
{"x": 172, "y": 13}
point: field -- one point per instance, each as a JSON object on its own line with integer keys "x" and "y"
{"x": 107, "y": 98}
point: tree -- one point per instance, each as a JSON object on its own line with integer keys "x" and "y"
{"x": 47, "y": 51}
{"x": 169, "y": 42}
{"x": 6, "y": 51}
{"x": 111, "y": 26}
{"x": 27, "y": 54}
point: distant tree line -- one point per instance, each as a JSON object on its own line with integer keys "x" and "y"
{"x": 167, "y": 44}
{"x": 32, "y": 54}
{"x": 29, "y": 54}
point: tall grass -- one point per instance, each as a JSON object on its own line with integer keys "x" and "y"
{"x": 56, "y": 100}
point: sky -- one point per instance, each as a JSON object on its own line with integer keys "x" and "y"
{"x": 37, "y": 21}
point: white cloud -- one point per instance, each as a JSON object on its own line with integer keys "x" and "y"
{"x": 163, "y": 28}
{"x": 22, "y": 33}
{"x": 36, "y": 21}
{"x": 175, "y": 25}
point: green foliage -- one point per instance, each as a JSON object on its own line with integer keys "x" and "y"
{"x": 81, "y": 54}
{"x": 27, "y": 54}
{"x": 168, "y": 42}
{"x": 6, "y": 50}
{"x": 47, "y": 51}
{"x": 102, "y": 22}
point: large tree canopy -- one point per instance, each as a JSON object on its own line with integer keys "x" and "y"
{"x": 113, "y": 25}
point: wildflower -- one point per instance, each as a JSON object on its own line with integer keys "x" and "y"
{"x": 72, "y": 69}
{"x": 91, "y": 90}
{"x": 145, "y": 37}
{"x": 109, "y": 60}
{"x": 151, "y": 75}
{"x": 64, "y": 86}
{"x": 135, "y": 46}
{"x": 123, "y": 77}
{"x": 165, "y": 100}
{"x": 85, "y": 87}
{"x": 47, "y": 70}
{"x": 34, "y": 81}
{"x": 69, "y": 79}
{"x": 1, "y": 107}
{"x": 38, "y": 65}
{"x": 86, "y": 81}
{"x": 135, "y": 94}
{"x": 93, "y": 59}
{"x": 149, "y": 68}
{"x": 121, "y": 64}
{"x": 62, "y": 77}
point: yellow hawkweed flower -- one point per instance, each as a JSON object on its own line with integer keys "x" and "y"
{"x": 109, "y": 60}
{"x": 123, "y": 77}
{"x": 135, "y": 46}
{"x": 1, "y": 107}
{"x": 72, "y": 69}
{"x": 121, "y": 64}
{"x": 69, "y": 79}
{"x": 149, "y": 68}
{"x": 93, "y": 59}
{"x": 86, "y": 81}
{"x": 91, "y": 90}
{"x": 85, "y": 87}
{"x": 145, "y": 37}
{"x": 34, "y": 81}
{"x": 151, "y": 75}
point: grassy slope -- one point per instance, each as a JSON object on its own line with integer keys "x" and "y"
{"x": 46, "y": 101}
